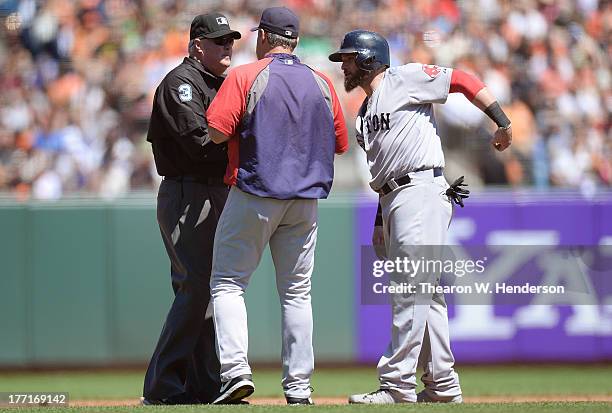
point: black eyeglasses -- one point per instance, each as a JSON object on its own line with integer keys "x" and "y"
{"x": 223, "y": 41}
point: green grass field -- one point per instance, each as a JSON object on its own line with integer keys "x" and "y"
{"x": 595, "y": 407}
{"x": 555, "y": 382}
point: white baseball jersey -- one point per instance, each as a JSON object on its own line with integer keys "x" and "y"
{"x": 396, "y": 125}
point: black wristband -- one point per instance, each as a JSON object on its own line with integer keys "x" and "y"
{"x": 378, "y": 222}
{"x": 495, "y": 112}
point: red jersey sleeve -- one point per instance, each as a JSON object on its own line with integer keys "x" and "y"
{"x": 228, "y": 106}
{"x": 462, "y": 82}
{"x": 339, "y": 122}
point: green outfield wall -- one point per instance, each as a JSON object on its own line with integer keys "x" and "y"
{"x": 87, "y": 282}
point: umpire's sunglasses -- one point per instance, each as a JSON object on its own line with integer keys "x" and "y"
{"x": 223, "y": 41}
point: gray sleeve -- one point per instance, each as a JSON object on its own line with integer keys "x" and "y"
{"x": 418, "y": 83}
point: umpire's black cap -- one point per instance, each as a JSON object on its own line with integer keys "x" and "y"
{"x": 211, "y": 26}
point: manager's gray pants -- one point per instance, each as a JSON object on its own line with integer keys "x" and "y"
{"x": 247, "y": 225}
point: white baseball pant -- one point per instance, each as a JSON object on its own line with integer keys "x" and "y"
{"x": 248, "y": 223}
{"x": 413, "y": 215}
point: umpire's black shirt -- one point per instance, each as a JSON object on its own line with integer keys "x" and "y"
{"x": 178, "y": 128}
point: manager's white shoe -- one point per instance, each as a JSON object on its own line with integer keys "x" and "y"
{"x": 233, "y": 391}
{"x": 380, "y": 396}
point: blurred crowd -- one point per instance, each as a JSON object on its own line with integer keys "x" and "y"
{"x": 78, "y": 76}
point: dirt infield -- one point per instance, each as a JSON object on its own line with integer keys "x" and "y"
{"x": 342, "y": 400}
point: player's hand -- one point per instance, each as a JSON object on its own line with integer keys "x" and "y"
{"x": 378, "y": 236}
{"x": 378, "y": 241}
{"x": 502, "y": 139}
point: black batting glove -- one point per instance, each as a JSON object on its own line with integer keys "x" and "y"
{"x": 457, "y": 193}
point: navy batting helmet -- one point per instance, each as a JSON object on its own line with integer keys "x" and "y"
{"x": 371, "y": 48}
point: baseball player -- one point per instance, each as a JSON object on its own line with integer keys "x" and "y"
{"x": 184, "y": 368}
{"x": 283, "y": 124}
{"x": 397, "y": 129}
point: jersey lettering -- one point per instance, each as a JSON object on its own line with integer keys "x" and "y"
{"x": 385, "y": 121}
{"x": 377, "y": 122}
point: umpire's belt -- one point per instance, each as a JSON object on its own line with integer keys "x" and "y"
{"x": 393, "y": 184}
{"x": 210, "y": 180}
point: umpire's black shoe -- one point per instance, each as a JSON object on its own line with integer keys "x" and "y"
{"x": 170, "y": 401}
{"x": 298, "y": 400}
{"x": 235, "y": 390}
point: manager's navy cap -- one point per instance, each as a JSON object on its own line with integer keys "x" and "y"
{"x": 211, "y": 26}
{"x": 279, "y": 20}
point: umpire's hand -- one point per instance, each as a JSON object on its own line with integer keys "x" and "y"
{"x": 503, "y": 138}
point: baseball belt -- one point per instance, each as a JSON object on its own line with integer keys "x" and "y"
{"x": 393, "y": 184}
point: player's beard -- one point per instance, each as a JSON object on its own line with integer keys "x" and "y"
{"x": 351, "y": 81}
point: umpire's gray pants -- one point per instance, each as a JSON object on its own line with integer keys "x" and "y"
{"x": 414, "y": 215}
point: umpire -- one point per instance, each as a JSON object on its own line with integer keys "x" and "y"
{"x": 184, "y": 368}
